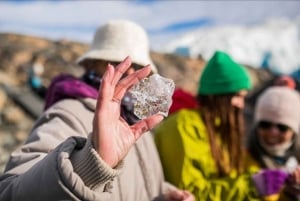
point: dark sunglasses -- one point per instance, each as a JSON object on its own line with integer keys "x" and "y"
{"x": 267, "y": 125}
{"x": 133, "y": 65}
{"x": 91, "y": 78}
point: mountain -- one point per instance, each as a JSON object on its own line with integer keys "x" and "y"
{"x": 273, "y": 45}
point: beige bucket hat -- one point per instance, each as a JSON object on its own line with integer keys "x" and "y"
{"x": 279, "y": 104}
{"x": 117, "y": 39}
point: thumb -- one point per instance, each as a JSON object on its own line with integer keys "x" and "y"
{"x": 175, "y": 195}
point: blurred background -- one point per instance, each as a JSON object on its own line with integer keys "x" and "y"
{"x": 44, "y": 38}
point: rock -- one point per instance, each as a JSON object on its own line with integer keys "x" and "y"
{"x": 3, "y": 99}
{"x": 12, "y": 115}
{"x": 21, "y": 136}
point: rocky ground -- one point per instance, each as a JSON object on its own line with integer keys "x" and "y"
{"x": 17, "y": 55}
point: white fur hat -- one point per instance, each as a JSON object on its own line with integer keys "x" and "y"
{"x": 117, "y": 39}
{"x": 279, "y": 104}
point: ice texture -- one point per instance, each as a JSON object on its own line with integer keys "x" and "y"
{"x": 152, "y": 95}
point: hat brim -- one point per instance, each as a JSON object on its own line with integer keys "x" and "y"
{"x": 114, "y": 56}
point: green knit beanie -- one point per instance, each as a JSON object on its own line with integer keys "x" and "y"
{"x": 222, "y": 75}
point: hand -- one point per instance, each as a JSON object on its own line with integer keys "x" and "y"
{"x": 294, "y": 177}
{"x": 293, "y": 183}
{"x": 112, "y": 136}
{"x": 179, "y": 195}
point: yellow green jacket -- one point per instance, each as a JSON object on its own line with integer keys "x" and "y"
{"x": 184, "y": 149}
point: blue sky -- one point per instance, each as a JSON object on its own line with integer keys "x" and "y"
{"x": 163, "y": 20}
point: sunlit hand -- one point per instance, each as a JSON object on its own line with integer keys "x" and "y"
{"x": 179, "y": 195}
{"x": 112, "y": 136}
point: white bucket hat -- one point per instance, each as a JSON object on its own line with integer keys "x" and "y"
{"x": 118, "y": 39}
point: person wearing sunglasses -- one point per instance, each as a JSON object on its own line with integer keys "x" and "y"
{"x": 274, "y": 141}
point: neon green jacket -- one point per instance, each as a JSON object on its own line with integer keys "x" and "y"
{"x": 184, "y": 149}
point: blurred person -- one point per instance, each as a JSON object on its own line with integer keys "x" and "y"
{"x": 275, "y": 144}
{"x": 88, "y": 145}
{"x": 285, "y": 80}
{"x": 35, "y": 77}
{"x": 202, "y": 150}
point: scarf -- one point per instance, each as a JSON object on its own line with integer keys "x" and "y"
{"x": 67, "y": 86}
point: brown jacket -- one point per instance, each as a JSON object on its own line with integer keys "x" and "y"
{"x": 58, "y": 162}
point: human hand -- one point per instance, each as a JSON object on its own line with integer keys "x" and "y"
{"x": 112, "y": 136}
{"x": 293, "y": 183}
{"x": 294, "y": 177}
{"x": 179, "y": 195}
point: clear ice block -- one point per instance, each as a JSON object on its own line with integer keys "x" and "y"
{"x": 152, "y": 95}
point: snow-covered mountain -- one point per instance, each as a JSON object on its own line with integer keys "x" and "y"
{"x": 274, "y": 44}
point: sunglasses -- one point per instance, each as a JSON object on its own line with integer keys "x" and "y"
{"x": 267, "y": 125}
{"x": 133, "y": 65}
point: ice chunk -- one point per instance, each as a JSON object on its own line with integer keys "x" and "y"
{"x": 152, "y": 95}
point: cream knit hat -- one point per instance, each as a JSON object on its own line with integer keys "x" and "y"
{"x": 117, "y": 39}
{"x": 279, "y": 104}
